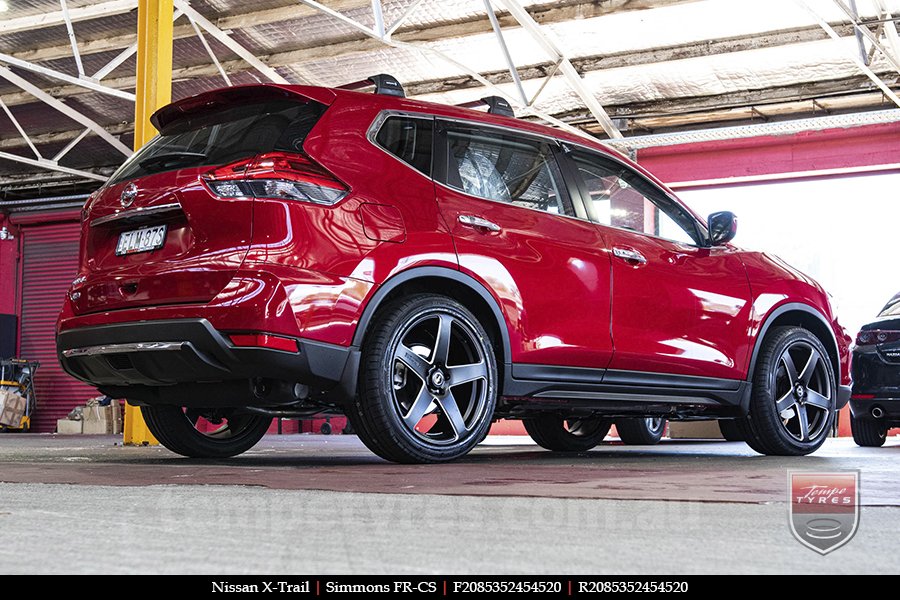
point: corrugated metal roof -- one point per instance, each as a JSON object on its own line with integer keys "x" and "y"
{"x": 655, "y": 63}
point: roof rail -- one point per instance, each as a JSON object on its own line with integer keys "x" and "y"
{"x": 496, "y": 105}
{"x": 384, "y": 84}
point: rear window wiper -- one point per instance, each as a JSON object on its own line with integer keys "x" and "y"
{"x": 170, "y": 157}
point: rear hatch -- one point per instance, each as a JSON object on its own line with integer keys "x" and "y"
{"x": 155, "y": 234}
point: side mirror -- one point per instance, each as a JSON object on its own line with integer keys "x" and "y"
{"x": 722, "y": 227}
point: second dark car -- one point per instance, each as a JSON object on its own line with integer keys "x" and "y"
{"x": 875, "y": 403}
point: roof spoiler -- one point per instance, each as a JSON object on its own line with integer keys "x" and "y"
{"x": 496, "y": 105}
{"x": 384, "y": 84}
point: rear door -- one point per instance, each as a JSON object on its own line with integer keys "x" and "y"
{"x": 155, "y": 234}
{"x": 678, "y": 307}
{"x": 516, "y": 230}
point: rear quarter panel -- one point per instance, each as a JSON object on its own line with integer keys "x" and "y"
{"x": 389, "y": 201}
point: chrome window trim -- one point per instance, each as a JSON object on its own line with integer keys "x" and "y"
{"x": 135, "y": 212}
{"x": 611, "y": 154}
{"x": 511, "y": 205}
{"x": 123, "y": 348}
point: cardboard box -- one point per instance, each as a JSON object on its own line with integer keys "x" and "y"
{"x": 96, "y": 419}
{"x": 694, "y": 430}
{"x": 116, "y": 417}
{"x": 102, "y": 420}
{"x": 12, "y": 407}
{"x": 67, "y": 427}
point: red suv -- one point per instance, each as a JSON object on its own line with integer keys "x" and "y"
{"x": 291, "y": 251}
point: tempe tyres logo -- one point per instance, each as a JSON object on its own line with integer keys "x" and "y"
{"x": 824, "y": 508}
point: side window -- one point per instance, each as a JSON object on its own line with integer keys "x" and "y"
{"x": 622, "y": 198}
{"x": 409, "y": 139}
{"x": 507, "y": 168}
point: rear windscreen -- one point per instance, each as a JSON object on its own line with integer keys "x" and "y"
{"x": 892, "y": 309}
{"x": 224, "y": 135}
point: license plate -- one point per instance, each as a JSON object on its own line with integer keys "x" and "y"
{"x": 145, "y": 239}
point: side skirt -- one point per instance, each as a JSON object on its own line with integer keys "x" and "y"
{"x": 530, "y": 389}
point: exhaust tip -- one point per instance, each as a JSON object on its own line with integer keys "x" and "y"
{"x": 877, "y": 412}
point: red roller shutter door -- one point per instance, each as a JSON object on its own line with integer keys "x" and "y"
{"x": 49, "y": 263}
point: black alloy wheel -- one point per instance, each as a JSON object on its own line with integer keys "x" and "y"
{"x": 205, "y": 433}
{"x": 428, "y": 381}
{"x": 645, "y": 431}
{"x": 793, "y": 396}
{"x": 566, "y": 434}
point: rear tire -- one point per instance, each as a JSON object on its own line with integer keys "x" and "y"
{"x": 731, "y": 431}
{"x": 868, "y": 432}
{"x": 428, "y": 381}
{"x": 175, "y": 428}
{"x": 558, "y": 434}
{"x": 646, "y": 431}
{"x": 792, "y": 400}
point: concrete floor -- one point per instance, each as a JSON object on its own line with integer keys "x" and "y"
{"x": 314, "y": 504}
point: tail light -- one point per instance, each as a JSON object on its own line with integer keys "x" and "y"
{"x": 277, "y": 176}
{"x": 876, "y": 336}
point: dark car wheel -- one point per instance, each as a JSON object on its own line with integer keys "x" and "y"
{"x": 731, "y": 431}
{"x": 428, "y": 381}
{"x": 561, "y": 434}
{"x": 645, "y": 431}
{"x": 793, "y": 396}
{"x": 868, "y": 432}
{"x": 229, "y": 433}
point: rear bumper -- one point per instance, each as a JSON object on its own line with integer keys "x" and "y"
{"x": 129, "y": 357}
{"x": 890, "y": 407}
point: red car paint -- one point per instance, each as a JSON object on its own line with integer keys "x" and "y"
{"x": 309, "y": 271}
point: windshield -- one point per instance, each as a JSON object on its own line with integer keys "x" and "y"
{"x": 223, "y": 136}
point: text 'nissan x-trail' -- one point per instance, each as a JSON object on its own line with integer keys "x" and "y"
{"x": 292, "y": 251}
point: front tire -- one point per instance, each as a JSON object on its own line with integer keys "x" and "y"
{"x": 645, "y": 431}
{"x": 177, "y": 429}
{"x": 560, "y": 434}
{"x": 428, "y": 381}
{"x": 792, "y": 401}
{"x": 731, "y": 431}
{"x": 868, "y": 432}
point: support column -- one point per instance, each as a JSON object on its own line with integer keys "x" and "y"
{"x": 154, "y": 90}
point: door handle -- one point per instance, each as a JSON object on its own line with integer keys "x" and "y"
{"x": 629, "y": 255}
{"x": 478, "y": 222}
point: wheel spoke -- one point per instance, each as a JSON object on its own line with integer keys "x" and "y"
{"x": 465, "y": 373}
{"x": 451, "y": 410}
{"x": 442, "y": 343}
{"x": 803, "y": 421}
{"x": 786, "y": 401}
{"x": 419, "y": 408}
{"x": 816, "y": 399}
{"x": 192, "y": 415}
{"x": 413, "y": 361}
{"x": 788, "y": 362}
{"x": 810, "y": 367}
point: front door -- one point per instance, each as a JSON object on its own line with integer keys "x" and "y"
{"x": 678, "y": 306}
{"x": 516, "y": 231}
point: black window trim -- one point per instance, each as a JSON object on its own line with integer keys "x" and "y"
{"x": 439, "y": 163}
{"x": 379, "y": 121}
{"x": 584, "y": 197}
